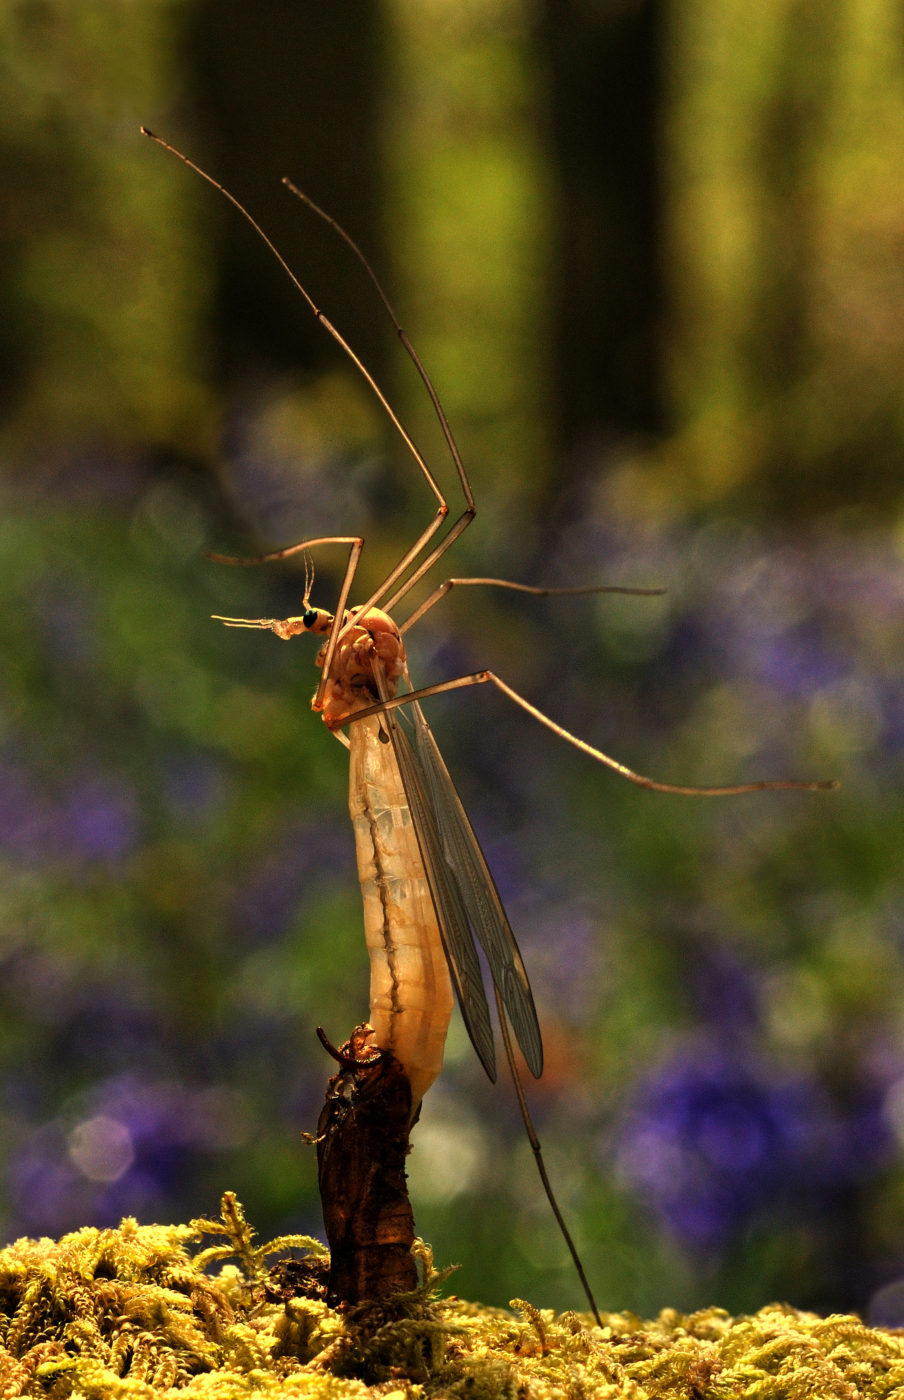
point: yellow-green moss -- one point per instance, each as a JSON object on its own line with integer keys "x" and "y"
{"x": 132, "y": 1313}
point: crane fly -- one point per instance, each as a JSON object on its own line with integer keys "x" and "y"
{"x": 429, "y": 896}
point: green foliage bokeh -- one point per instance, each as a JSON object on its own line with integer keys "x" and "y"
{"x": 178, "y": 891}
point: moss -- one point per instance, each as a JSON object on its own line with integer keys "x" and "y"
{"x": 133, "y": 1312}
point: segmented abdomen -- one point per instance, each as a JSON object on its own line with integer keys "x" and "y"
{"x": 410, "y": 990}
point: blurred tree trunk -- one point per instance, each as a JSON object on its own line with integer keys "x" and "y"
{"x": 605, "y": 120}
{"x": 784, "y": 129}
{"x": 313, "y": 74}
{"x": 100, "y": 289}
{"x": 728, "y": 251}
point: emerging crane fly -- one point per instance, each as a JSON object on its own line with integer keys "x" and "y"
{"x": 428, "y": 893}
{"x": 426, "y": 886}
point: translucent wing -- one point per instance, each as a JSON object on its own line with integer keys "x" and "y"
{"x": 448, "y": 899}
{"x": 461, "y": 865}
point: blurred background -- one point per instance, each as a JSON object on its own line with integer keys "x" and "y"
{"x": 653, "y": 257}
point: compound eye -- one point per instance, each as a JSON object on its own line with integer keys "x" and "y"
{"x": 309, "y": 618}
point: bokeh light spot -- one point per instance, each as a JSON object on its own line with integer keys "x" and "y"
{"x": 101, "y": 1148}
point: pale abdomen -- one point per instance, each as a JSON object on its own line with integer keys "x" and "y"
{"x": 410, "y": 989}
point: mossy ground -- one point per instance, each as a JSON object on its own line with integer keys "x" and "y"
{"x": 133, "y": 1312}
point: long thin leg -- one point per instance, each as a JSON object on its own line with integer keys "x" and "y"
{"x": 538, "y": 1154}
{"x": 481, "y": 677}
{"x": 246, "y": 561}
{"x": 536, "y": 592}
{"x": 470, "y": 510}
{"x": 412, "y": 554}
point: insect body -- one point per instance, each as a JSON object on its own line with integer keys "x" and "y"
{"x": 426, "y": 887}
{"x": 410, "y": 985}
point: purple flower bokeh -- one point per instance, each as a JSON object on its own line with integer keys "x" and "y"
{"x": 157, "y": 860}
{"x": 121, "y": 1148}
{"x": 93, "y": 820}
{"x": 719, "y": 1138}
